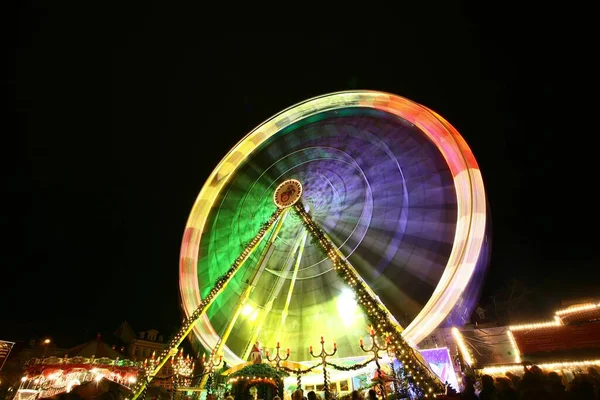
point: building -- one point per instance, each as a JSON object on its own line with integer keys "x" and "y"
{"x": 568, "y": 342}
{"x": 144, "y": 345}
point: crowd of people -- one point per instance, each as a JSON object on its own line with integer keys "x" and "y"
{"x": 533, "y": 384}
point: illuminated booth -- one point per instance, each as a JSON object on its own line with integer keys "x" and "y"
{"x": 91, "y": 361}
{"x": 568, "y": 343}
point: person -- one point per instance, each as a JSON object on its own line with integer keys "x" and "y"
{"x": 372, "y": 394}
{"x": 274, "y": 398}
{"x": 311, "y": 395}
{"x": 488, "y": 388}
{"x": 256, "y": 356}
{"x": 505, "y": 389}
{"x": 356, "y": 395}
{"x": 468, "y": 392}
{"x": 298, "y": 394}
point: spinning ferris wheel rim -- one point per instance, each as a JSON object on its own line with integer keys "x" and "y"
{"x": 468, "y": 185}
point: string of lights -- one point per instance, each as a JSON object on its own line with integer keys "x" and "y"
{"x": 416, "y": 370}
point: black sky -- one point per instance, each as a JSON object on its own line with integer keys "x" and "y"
{"x": 116, "y": 117}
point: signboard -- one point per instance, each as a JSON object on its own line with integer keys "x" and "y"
{"x": 5, "y": 348}
{"x": 288, "y": 193}
{"x": 441, "y": 364}
{"x": 560, "y": 338}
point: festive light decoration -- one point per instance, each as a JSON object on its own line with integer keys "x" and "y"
{"x": 500, "y": 369}
{"x": 375, "y": 349}
{"x": 354, "y": 367}
{"x": 514, "y": 345}
{"x": 258, "y": 374}
{"x": 577, "y": 308}
{"x": 255, "y": 371}
{"x": 76, "y": 362}
{"x": 182, "y": 370}
{"x": 323, "y": 356}
{"x": 209, "y": 370}
{"x": 253, "y": 379}
{"x": 538, "y": 325}
{"x": 182, "y": 366}
{"x": 277, "y": 360}
{"x": 52, "y": 376}
{"x": 464, "y": 350}
{"x": 299, "y": 372}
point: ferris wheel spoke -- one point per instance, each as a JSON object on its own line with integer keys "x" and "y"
{"x": 284, "y": 313}
{"x": 275, "y": 291}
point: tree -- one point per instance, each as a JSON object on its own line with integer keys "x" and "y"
{"x": 513, "y": 302}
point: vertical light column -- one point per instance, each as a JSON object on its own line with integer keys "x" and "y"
{"x": 284, "y": 313}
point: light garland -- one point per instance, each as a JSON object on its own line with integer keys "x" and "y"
{"x": 462, "y": 346}
{"x": 539, "y": 325}
{"x": 577, "y": 308}
{"x": 553, "y": 365}
{"x": 557, "y": 321}
{"x": 513, "y": 343}
{"x": 417, "y": 372}
{"x": 251, "y": 378}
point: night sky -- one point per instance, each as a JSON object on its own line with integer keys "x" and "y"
{"x": 115, "y": 118}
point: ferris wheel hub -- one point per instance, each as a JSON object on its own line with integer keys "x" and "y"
{"x": 287, "y": 193}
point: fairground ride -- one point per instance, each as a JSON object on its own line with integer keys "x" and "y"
{"x": 347, "y": 210}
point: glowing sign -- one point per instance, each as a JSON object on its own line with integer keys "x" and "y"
{"x": 288, "y": 193}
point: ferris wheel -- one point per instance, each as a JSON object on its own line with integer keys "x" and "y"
{"x": 391, "y": 187}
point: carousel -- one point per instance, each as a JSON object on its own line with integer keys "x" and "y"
{"x": 89, "y": 362}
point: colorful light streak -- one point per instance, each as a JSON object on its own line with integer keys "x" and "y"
{"x": 468, "y": 186}
{"x": 464, "y": 350}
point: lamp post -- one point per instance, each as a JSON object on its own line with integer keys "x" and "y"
{"x": 210, "y": 369}
{"x": 323, "y": 355}
{"x": 278, "y": 359}
{"x": 147, "y": 367}
{"x": 182, "y": 367}
{"x": 45, "y": 343}
{"x": 375, "y": 349}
